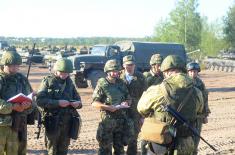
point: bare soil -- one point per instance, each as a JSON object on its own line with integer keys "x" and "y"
{"x": 220, "y": 131}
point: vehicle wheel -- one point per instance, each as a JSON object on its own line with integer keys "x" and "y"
{"x": 80, "y": 81}
{"x": 93, "y": 77}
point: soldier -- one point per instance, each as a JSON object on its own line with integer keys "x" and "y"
{"x": 176, "y": 90}
{"x": 193, "y": 70}
{"x": 154, "y": 76}
{"x": 136, "y": 85}
{"x": 13, "y": 116}
{"x": 111, "y": 97}
{"x": 58, "y": 99}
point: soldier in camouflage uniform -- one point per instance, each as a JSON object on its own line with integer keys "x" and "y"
{"x": 154, "y": 76}
{"x": 111, "y": 97}
{"x": 13, "y": 117}
{"x": 58, "y": 99}
{"x": 173, "y": 90}
{"x": 193, "y": 70}
{"x": 136, "y": 85}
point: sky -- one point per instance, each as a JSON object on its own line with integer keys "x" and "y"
{"x": 89, "y": 18}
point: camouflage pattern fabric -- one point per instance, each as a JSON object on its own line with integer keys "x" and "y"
{"x": 12, "y": 85}
{"x": 8, "y": 141}
{"x": 200, "y": 85}
{"x": 177, "y": 86}
{"x": 136, "y": 87}
{"x": 115, "y": 128}
{"x": 53, "y": 89}
{"x": 152, "y": 79}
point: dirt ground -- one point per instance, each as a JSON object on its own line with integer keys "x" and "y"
{"x": 220, "y": 131}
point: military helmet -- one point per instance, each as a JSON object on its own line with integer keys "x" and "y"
{"x": 111, "y": 65}
{"x": 129, "y": 59}
{"x": 156, "y": 59}
{"x": 11, "y": 58}
{"x": 193, "y": 66}
{"x": 64, "y": 65}
{"x": 173, "y": 62}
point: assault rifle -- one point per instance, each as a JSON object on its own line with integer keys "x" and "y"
{"x": 183, "y": 121}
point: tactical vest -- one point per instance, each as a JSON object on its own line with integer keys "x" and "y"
{"x": 153, "y": 80}
{"x": 176, "y": 97}
{"x": 114, "y": 94}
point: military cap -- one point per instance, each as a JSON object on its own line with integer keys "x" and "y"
{"x": 193, "y": 66}
{"x": 11, "y": 58}
{"x": 64, "y": 65}
{"x": 156, "y": 59}
{"x": 129, "y": 59}
{"x": 173, "y": 62}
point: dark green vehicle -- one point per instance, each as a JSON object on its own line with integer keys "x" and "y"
{"x": 88, "y": 68}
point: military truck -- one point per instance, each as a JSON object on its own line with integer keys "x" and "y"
{"x": 89, "y": 68}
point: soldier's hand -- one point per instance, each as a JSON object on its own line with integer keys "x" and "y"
{"x": 26, "y": 105}
{"x": 76, "y": 104}
{"x": 113, "y": 108}
{"x": 64, "y": 103}
{"x": 17, "y": 107}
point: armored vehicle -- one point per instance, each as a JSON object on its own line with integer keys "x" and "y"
{"x": 88, "y": 68}
{"x": 225, "y": 61}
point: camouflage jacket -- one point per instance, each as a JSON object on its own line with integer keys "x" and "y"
{"x": 200, "y": 85}
{"x": 11, "y": 85}
{"x": 110, "y": 93}
{"x": 177, "y": 87}
{"x": 53, "y": 89}
{"x": 152, "y": 79}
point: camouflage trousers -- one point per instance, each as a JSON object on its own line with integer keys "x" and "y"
{"x": 22, "y": 136}
{"x": 8, "y": 141}
{"x": 196, "y": 139}
{"x": 132, "y": 146}
{"x": 57, "y": 143}
{"x": 112, "y": 132}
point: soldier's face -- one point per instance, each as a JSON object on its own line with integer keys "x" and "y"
{"x": 155, "y": 68}
{"x": 114, "y": 74}
{"x": 11, "y": 69}
{"x": 193, "y": 73}
{"x": 62, "y": 75}
{"x": 130, "y": 68}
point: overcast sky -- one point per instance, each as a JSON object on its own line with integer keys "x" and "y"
{"x": 87, "y": 18}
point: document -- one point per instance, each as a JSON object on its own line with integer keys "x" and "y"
{"x": 20, "y": 98}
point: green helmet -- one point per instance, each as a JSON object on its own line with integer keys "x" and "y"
{"x": 11, "y": 58}
{"x": 64, "y": 65}
{"x": 156, "y": 59}
{"x": 173, "y": 62}
{"x": 111, "y": 65}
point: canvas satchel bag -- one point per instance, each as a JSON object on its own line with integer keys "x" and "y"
{"x": 161, "y": 132}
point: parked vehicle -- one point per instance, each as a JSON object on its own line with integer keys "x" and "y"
{"x": 88, "y": 68}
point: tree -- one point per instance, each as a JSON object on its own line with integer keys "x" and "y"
{"x": 183, "y": 26}
{"x": 229, "y": 26}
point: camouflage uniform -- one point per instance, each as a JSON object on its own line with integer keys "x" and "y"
{"x": 114, "y": 126}
{"x": 135, "y": 87}
{"x": 177, "y": 86}
{"x": 56, "y": 119}
{"x": 13, "y": 138}
{"x": 201, "y": 86}
{"x": 151, "y": 79}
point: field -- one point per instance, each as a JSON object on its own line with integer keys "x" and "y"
{"x": 220, "y": 131}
